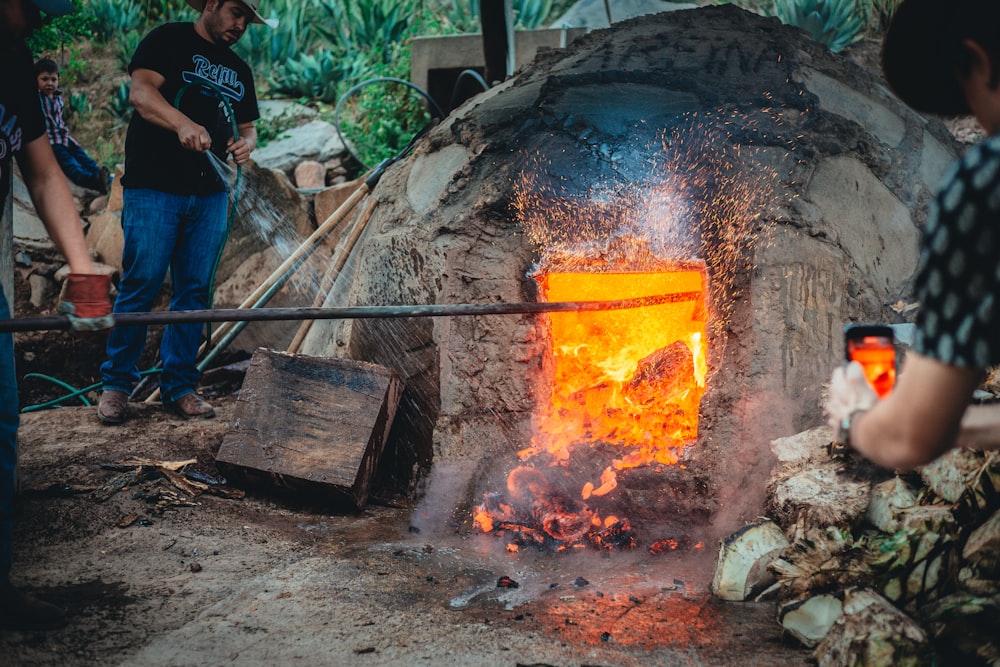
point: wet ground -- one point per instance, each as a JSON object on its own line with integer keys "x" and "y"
{"x": 149, "y": 580}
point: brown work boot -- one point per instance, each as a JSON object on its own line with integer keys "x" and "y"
{"x": 113, "y": 408}
{"x": 191, "y": 406}
{"x": 20, "y": 611}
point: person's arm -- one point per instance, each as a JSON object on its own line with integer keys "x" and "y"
{"x": 86, "y": 294}
{"x": 919, "y": 421}
{"x": 149, "y": 102}
{"x": 54, "y": 203}
{"x": 244, "y": 144}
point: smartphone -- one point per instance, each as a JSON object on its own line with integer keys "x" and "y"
{"x": 873, "y": 346}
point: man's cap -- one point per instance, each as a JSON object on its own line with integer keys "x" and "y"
{"x": 922, "y": 50}
{"x": 55, "y": 7}
{"x": 254, "y": 6}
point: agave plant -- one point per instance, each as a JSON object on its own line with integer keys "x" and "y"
{"x": 264, "y": 49}
{"x": 531, "y": 14}
{"x": 78, "y": 106}
{"x": 113, "y": 19}
{"x": 372, "y": 26}
{"x": 835, "y": 23}
{"x": 317, "y": 75}
{"x": 118, "y": 106}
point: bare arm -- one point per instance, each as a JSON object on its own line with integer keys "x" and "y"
{"x": 54, "y": 203}
{"x": 920, "y": 420}
{"x": 149, "y": 102}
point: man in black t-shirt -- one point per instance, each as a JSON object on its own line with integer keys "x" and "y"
{"x": 942, "y": 58}
{"x": 22, "y": 136}
{"x": 195, "y": 106}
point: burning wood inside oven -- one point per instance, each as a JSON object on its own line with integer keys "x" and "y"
{"x": 623, "y": 391}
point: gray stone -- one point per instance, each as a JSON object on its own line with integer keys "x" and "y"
{"x": 27, "y": 224}
{"x": 315, "y": 140}
{"x": 41, "y": 288}
{"x": 285, "y": 111}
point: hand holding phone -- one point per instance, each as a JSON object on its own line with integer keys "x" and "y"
{"x": 873, "y": 346}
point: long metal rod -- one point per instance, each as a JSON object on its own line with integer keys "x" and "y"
{"x": 62, "y": 323}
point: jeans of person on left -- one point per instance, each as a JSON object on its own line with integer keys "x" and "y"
{"x": 77, "y": 165}
{"x": 9, "y": 420}
{"x": 182, "y": 233}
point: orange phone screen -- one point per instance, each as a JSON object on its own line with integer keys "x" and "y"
{"x": 877, "y": 356}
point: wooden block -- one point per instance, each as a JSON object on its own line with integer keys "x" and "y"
{"x": 315, "y": 426}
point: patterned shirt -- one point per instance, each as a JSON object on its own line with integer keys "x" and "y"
{"x": 20, "y": 116}
{"x": 52, "y": 109}
{"x": 958, "y": 277}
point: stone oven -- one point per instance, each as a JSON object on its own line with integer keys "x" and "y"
{"x": 710, "y": 153}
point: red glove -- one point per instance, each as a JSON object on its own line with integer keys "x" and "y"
{"x": 86, "y": 301}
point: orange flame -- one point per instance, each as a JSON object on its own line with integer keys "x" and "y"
{"x": 628, "y": 377}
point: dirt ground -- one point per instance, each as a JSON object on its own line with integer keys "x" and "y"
{"x": 260, "y": 580}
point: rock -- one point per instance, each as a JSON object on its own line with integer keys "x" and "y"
{"x": 309, "y": 174}
{"x": 27, "y": 224}
{"x": 105, "y": 238}
{"x": 115, "y": 195}
{"x": 98, "y": 204}
{"x": 41, "y": 288}
{"x": 285, "y": 111}
{"x": 315, "y": 140}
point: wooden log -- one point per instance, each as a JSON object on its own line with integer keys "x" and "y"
{"x": 311, "y": 425}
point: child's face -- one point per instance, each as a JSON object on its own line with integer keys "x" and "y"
{"x": 48, "y": 82}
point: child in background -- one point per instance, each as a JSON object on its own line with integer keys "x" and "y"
{"x": 76, "y": 164}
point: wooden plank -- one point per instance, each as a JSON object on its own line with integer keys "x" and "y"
{"x": 311, "y": 425}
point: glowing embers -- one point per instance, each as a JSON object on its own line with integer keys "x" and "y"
{"x": 630, "y": 377}
{"x": 623, "y": 391}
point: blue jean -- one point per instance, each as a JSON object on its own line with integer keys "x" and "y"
{"x": 9, "y": 420}
{"x": 77, "y": 165}
{"x": 182, "y": 233}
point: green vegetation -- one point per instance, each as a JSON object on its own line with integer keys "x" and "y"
{"x": 836, "y": 23}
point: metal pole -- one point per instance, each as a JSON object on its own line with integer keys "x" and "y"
{"x": 62, "y": 323}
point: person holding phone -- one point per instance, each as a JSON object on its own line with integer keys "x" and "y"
{"x": 941, "y": 60}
